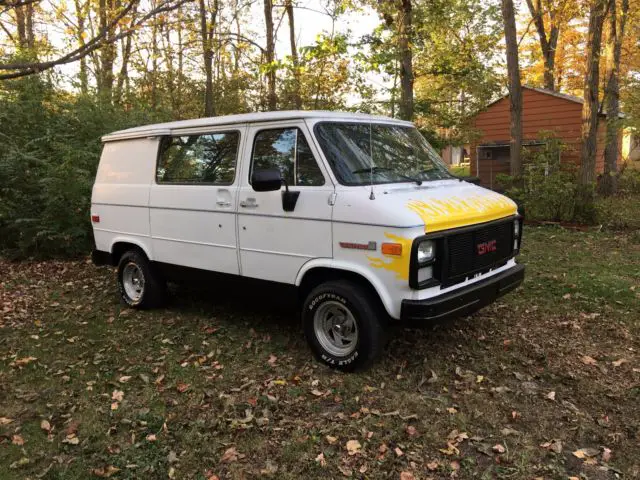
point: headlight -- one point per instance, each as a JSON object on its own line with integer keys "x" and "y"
{"x": 426, "y": 251}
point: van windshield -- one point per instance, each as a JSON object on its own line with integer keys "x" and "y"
{"x": 364, "y": 153}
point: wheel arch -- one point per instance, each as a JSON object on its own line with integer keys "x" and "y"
{"x": 318, "y": 271}
{"x": 121, "y": 244}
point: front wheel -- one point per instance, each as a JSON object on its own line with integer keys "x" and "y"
{"x": 344, "y": 325}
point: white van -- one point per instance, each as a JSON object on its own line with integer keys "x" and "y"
{"x": 358, "y": 212}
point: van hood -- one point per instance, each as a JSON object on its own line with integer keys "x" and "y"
{"x": 440, "y": 205}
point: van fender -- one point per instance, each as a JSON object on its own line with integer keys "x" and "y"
{"x": 379, "y": 287}
{"x": 134, "y": 241}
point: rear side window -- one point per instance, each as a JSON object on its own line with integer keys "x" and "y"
{"x": 288, "y": 150}
{"x": 199, "y": 159}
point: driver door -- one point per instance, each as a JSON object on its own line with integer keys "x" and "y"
{"x": 273, "y": 243}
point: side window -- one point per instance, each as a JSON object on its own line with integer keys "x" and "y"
{"x": 209, "y": 158}
{"x": 288, "y": 150}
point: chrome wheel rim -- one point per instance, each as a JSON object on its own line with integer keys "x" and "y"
{"x": 133, "y": 281}
{"x": 335, "y": 328}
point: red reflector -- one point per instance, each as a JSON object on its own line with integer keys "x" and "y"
{"x": 95, "y": 218}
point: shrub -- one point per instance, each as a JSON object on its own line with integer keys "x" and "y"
{"x": 548, "y": 188}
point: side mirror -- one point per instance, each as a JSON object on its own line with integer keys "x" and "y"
{"x": 267, "y": 180}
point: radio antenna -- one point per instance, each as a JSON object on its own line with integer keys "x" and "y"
{"x": 371, "y": 195}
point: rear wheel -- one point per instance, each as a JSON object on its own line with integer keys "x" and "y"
{"x": 344, "y": 325}
{"x": 140, "y": 286}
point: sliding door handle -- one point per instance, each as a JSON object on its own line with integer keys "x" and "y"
{"x": 222, "y": 203}
{"x": 249, "y": 203}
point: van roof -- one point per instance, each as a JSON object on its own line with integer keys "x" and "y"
{"x": 171, "y": 127}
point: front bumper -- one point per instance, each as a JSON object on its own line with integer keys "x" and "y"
{"x": 464, "y": 300}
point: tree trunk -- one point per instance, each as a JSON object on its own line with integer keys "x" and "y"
{"x": 617, "y": 23}
{"x": 206, "y": 34}
{"x": 107, "y": 52}
{"x": 590, "y": 108}
{"x": 297, "y": 100}
{"x": 405, "y": 31}
{"x": 515, "y": 88}
{"x": 83, "y": 76}
{"x": 549, "y": 43}
{"x": 272, "y": 98}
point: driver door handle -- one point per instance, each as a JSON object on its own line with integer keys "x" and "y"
{"x": 222, "y": 203}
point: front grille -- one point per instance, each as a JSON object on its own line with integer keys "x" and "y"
{"x": 462, "y": 251}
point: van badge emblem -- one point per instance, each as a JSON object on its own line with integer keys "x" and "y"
{"x": 487, "y": 247}
{"x": 359, "y": 246}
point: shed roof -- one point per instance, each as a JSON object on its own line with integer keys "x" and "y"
{"x": 169, "y": 127}
{"x": 546, "y": 91}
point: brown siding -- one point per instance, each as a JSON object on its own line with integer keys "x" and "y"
{"x": 540, "y": 111}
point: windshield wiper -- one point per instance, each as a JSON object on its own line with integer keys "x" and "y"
{"x": 378, "y": 169}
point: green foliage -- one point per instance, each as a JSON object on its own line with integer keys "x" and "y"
{"x": 548, "y": 188}
{"x": 629, "y": 179}
{"x": 49, "y": 151}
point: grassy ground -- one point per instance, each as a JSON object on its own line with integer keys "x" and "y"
{"x": 215, "y": 386}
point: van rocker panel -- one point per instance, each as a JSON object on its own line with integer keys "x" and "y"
{"x": 464, "y": 300}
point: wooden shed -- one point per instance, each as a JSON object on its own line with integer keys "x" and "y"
{"x": 542, "y": 110}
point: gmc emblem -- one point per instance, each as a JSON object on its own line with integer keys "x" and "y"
{"x": 486, "y": 247}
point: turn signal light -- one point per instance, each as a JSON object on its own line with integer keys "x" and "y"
{"x": 392, "y": 248}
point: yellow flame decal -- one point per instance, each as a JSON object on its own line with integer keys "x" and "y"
{"x": 397, "y": 264}
{"x": 456, "y": 212}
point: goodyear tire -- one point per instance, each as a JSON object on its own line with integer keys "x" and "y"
{"x": 344, "y": 325}
{"x": 140, "y": 286}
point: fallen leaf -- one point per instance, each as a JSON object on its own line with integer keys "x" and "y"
{"x": 270, "y": 469}
{"x": 411, "y": 431}
{"x": 124, "y": 378}
{"x": 479, "y": 379}
{"x": 331, "y": 439}
{"x": 230, "y": 455}
{"x": 17, "y": 440}
{"x": 554, "y": 445}
{"x": 316, "y": 392}
{"x": 115, "y": 405}
{"x": 320, "y": 459}
{"x": 617, "y": 363}
{"x": 117, "y": 395}
{"x": 353, "y": 447}
{"x": 151, "y": 437}
{"x": 606, "y": 454}
{"x": 272, "y": 360}
{"x": 383, "y": 448}
{"x": 45, "y": 425}
{"x": 452, "y": 410}
{"x": 550, "y": 396}
{"x": 105, "y": 472}
{"x": 398, "y": 452}
{"x": 5, "y": 421}
{"x": 498, "y": 448}
{"x": 509, "y": 431}
{"x": 71, "y": 439}
{"x": 431, "y": 466}
{"x": 182, "y": 387}
{"x": 23, "y": 361}
{"x": 583, "y": 453}
{"x": 455, "y": 465}
{"x": 407, "y": 476}
{"x": 172, "y": 457}
{"x": 587, "y": 360}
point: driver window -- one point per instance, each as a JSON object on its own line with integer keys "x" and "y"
{"x": 288, "y": 150}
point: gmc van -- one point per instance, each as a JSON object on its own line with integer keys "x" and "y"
{"x": 357, "y": 212}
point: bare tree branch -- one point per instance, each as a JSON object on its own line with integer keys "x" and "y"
{"x": 22, "y": 69}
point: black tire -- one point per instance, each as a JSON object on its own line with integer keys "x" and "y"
{"x": 153, "y": 290}
{"x": 369, "y": 316}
